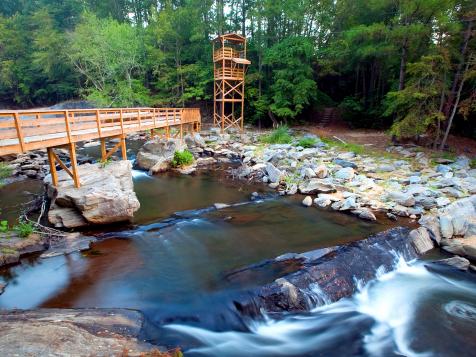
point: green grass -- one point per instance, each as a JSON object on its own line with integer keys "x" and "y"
{"x": 279, "y": 135}
{"x": 182, "y": 158}
{"x": 307, "y": 142}
{"x": 106, "y": 162}
{"x": 5, "y": 171}
{"x": 355, "y": 148}
{"x": 8, "y": 251}
{"x": 472, "y": 163}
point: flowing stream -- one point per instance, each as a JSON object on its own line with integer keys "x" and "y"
{"x": 175, "y": 264}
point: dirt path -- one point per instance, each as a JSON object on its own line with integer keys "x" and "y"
{"x": 379, "y": 139}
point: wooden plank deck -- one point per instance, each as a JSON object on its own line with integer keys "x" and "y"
{"x": 22, "y": 131}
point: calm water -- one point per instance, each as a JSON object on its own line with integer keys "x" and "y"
{"x": 174, "y": 265}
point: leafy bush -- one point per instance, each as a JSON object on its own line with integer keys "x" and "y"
{"x": 4, "y": 226}
{"x": 182, "y": 158}
{"x": 279, "y": 135}
{"x": 5, "y": 171}
{"x": 307, "y": 142}
{"x": 23, "y": 228}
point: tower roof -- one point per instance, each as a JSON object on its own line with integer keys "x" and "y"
{"x": 232, "y": 37}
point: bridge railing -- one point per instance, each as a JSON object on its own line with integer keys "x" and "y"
{"x": 21, "y": 131}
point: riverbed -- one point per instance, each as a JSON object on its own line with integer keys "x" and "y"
{"x": 176, "y": 264}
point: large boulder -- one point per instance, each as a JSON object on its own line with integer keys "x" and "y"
{"x": 156, "y": 154}
{"x": 315, "y": 186}
{"x": 106, "y": 196}
{"x": 458, "y": 217}
{"x": 325, "y": 275}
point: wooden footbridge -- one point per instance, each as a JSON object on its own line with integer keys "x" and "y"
{"x": 22, "y": 131}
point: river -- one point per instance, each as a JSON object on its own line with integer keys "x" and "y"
{"x": 175, "y": 263}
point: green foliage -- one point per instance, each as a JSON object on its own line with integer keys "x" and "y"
{"x": 182, "y": 158}
{"x": 5, "y": 172}
{"x": 292, "y": 87}
{"x": 306, "y": 55}
{"x": 108, "y": 55}
{"x": 307, "y": 142}
{"x": 4, "y": 226}
{"x": 8, "y": 251}
{"x": 416, "y": 107}
{"x": 23, "y": 228}
{"x": 279, "y": 135}
{"x": 105, "y": 163}
{"x": 355, "y": 148}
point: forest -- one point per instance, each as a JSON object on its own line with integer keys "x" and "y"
{"x": 404, "y": 65}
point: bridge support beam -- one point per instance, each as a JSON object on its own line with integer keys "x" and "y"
{"x": 105, "y": 155}
{"x": 54, "y": 159}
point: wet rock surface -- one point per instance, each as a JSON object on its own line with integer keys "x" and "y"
{"x": 106, "y": 196}
{"x": 156, "y": 154}
{"x": 329, "y": 274}
{"x": 72, "y": 332}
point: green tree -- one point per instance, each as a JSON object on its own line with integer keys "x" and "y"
{"x": 107, "y": 54}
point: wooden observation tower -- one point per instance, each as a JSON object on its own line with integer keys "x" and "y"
{"x": 229, "y": 64}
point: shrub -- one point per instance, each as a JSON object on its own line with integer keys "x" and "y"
{"x": 307, "y": 142}
{"x": 5, "y": 171}
{"x": 182, "y": 158}
{"x": 4, "y": 226}
{"x": 23, "y": 228}
{"x": 279, "y": 135}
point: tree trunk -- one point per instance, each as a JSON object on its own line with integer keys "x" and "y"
{"x": 464, "y": 48}
{"x": 403, "y": 65}
{"x": 243, "y": 18}
{"x": 273, "y": 119}
{"x": 455, "y": 107}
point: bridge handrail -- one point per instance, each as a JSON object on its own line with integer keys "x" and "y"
{"x": 24, "y": 130}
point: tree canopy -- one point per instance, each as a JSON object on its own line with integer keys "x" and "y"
{"x": 407, "y": 65}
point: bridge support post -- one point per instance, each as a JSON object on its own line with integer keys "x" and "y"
{"x": 74, "y": 164}
{"x": 52, "y": 162}
{"x": 53, "y": 159}
{"x": 123, "y": 147}
{"x": 105, "y": 155}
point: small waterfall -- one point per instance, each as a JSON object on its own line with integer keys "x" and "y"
{"x": 380, "y": 319}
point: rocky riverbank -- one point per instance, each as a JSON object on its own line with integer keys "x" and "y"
{"x": 73, "y": 332}
{"x": 404, "y": 183}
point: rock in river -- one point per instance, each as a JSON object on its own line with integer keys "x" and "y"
{"x": 314, "y": 186}
{"x": 156, "y": 154}
{"x": 106, "y": 196}
{"x": 328, "y": 274}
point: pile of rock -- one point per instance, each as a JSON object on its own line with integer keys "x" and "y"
{"x": 35, "y": 164}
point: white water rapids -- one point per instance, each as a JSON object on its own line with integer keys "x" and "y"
{"x": 410, "y": 311}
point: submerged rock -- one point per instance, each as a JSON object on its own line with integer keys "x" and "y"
{"x": 69, "y": 332}
{"x": 329, "y": 275}
{"x": 456, "y": 262}
{"x": 106, "y": 196}
{"x": 13, "y": 247}
{"x": 307, "y": 201}
{"x": 421, "y": 241}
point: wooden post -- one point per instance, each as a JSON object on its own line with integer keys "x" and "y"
{"x": 138, "y": 116}
{"x": 74, "y": 165}
{"x": 98, "y": 123}
{"x": 103, "y": 149}
{"x": 52, "y": 162}
{"x": 123, "y": 147}
{"x": 19, "y": 131}
{"x": 122, "y": 123}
